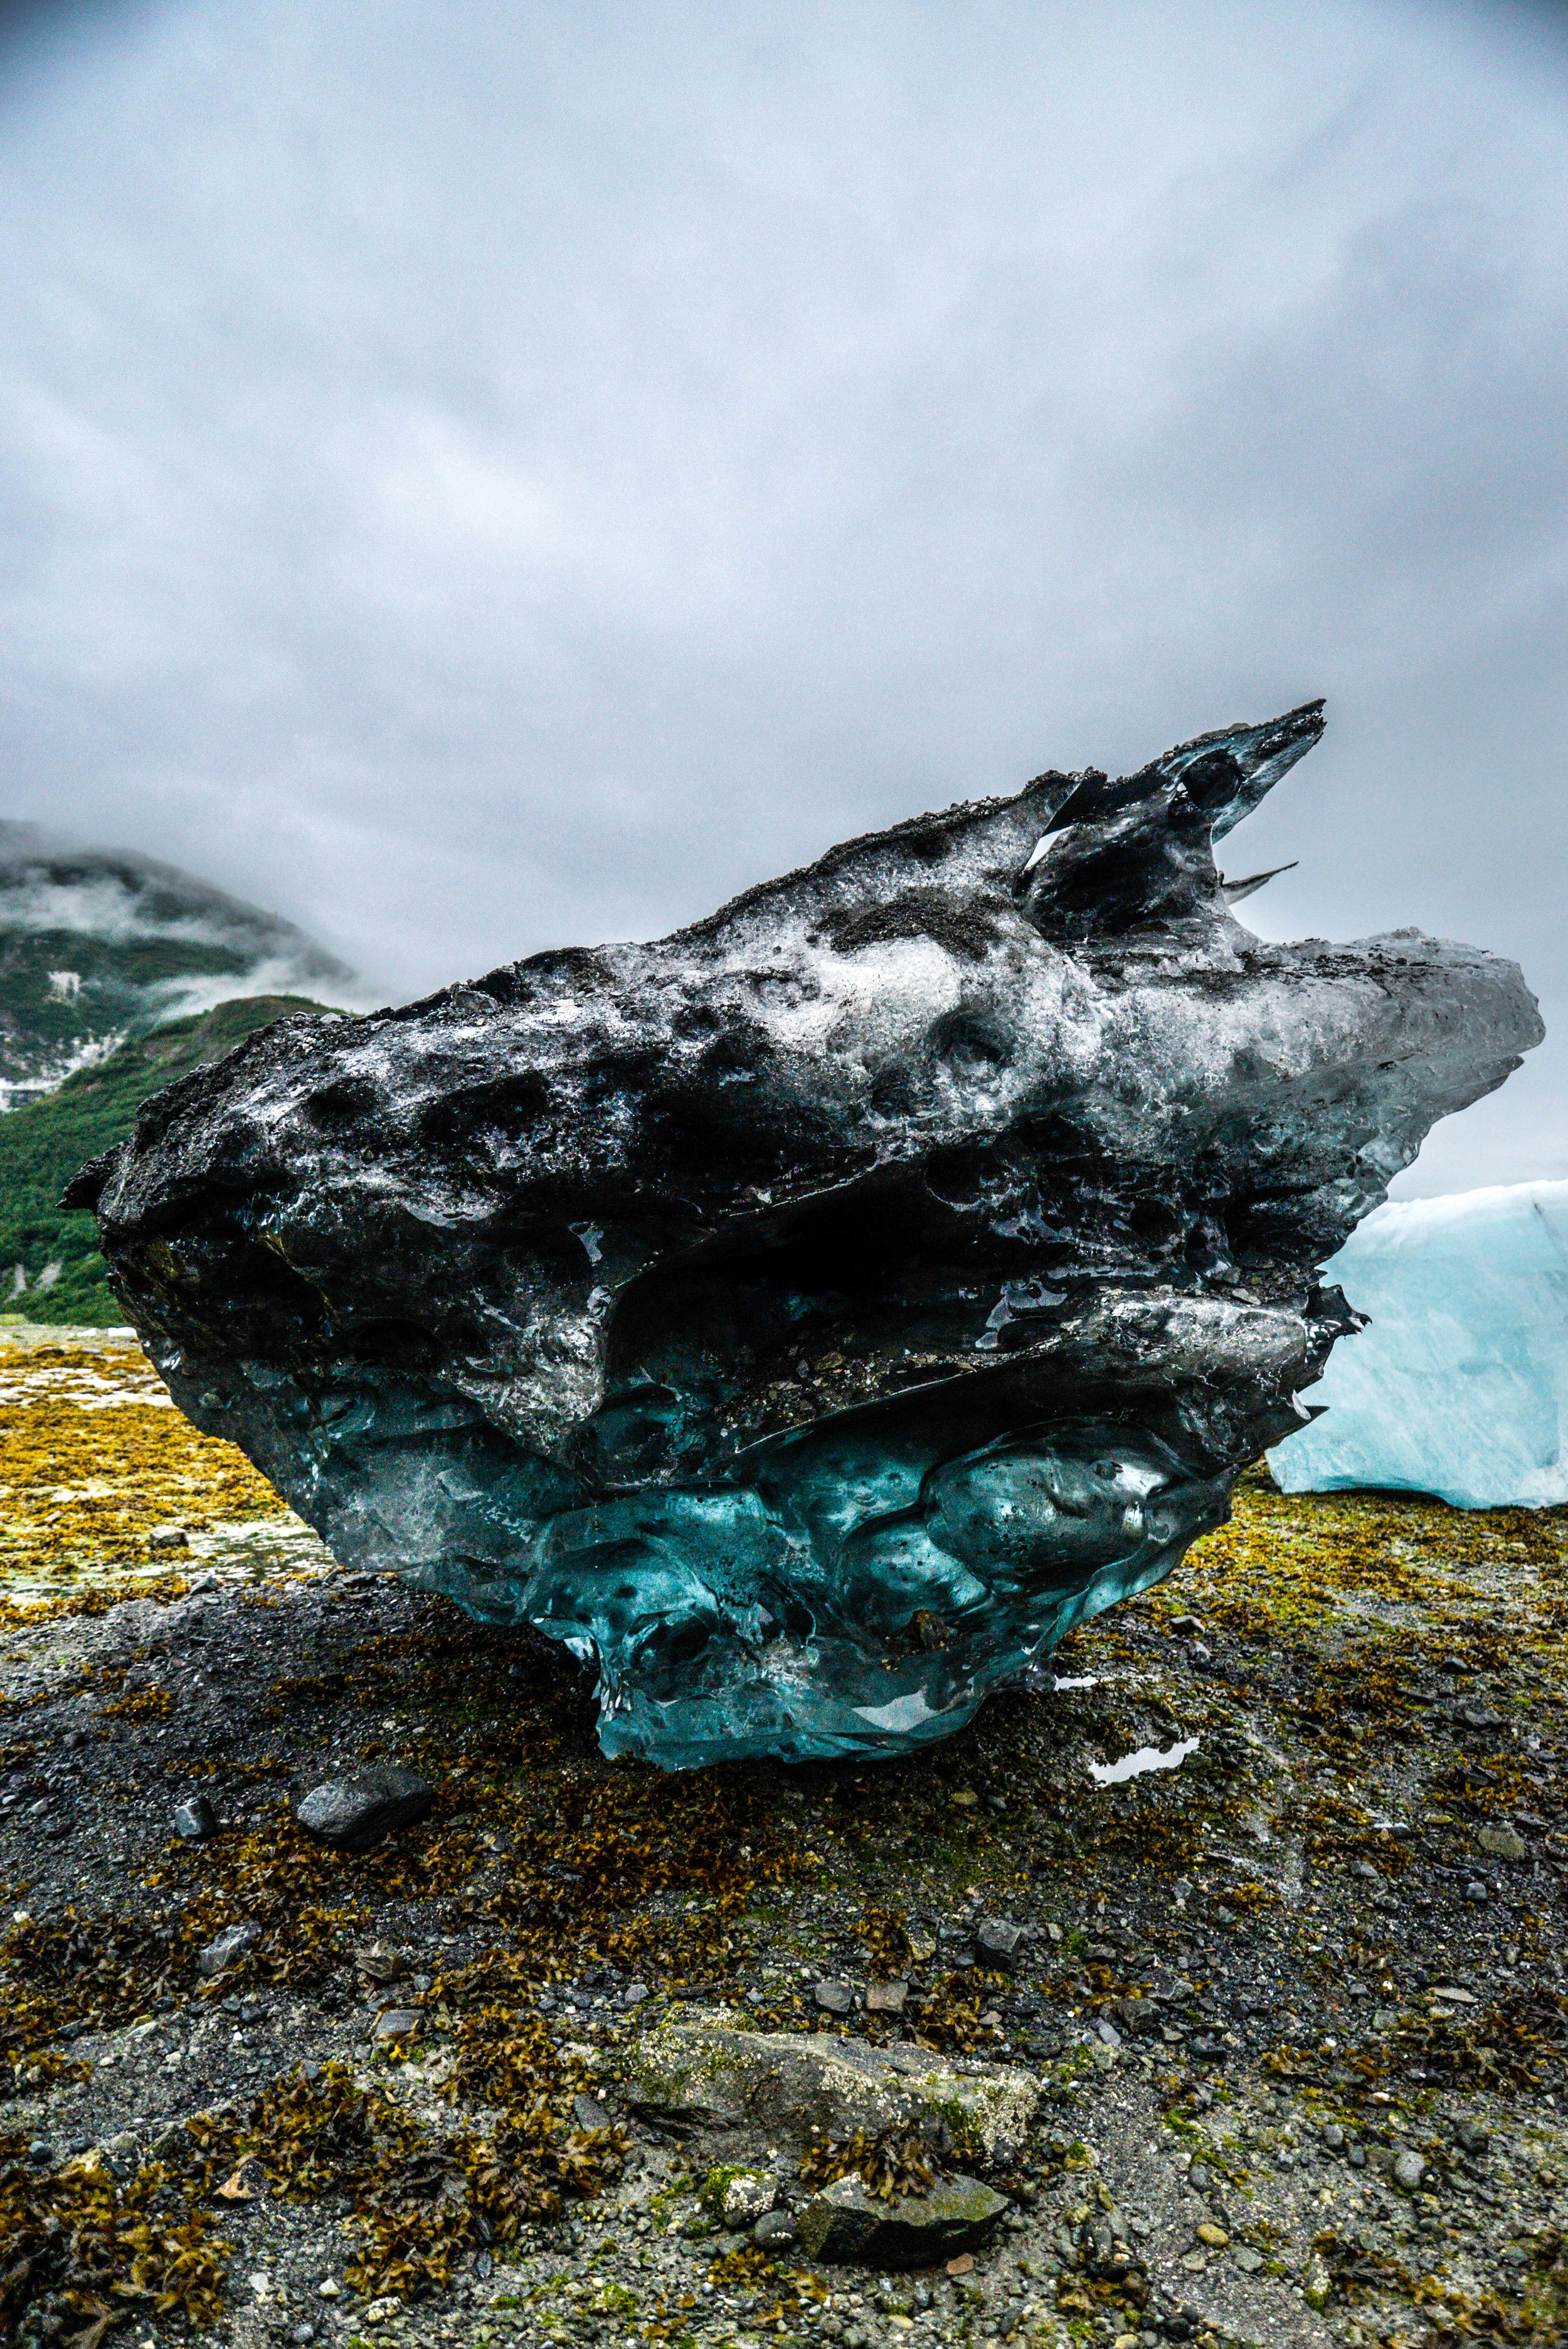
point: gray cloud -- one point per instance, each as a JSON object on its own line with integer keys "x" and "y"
{"x": 478, "y": 479}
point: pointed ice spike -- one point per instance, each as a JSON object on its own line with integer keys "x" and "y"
{"x": 1235, "y": 891}
{"x": 1227, "y": 773}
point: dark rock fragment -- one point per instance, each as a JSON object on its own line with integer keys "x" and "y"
{"x": 196, "y": 1819}
{"x": 775, "y": 2231}
{"x": 997, "y": 1942}
{"x": 356, "y": 1814}
{"x": 846, "y": 2226}
{"x": 397, "y": 2022}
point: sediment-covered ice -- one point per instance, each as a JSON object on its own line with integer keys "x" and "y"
{"x": 809, "y": 1318}
{"x": 1459, "y": 1386}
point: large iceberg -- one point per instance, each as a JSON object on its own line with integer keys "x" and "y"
{"x": 809, "y": 1318}
{"x": 1459, "y": 1386}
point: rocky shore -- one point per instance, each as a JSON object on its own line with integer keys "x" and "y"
{"x": 351, "y": 1996}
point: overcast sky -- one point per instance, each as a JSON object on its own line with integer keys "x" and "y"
{"x": 481, "y": 478}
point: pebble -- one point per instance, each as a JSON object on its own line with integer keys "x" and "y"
{"x": 1408, "y": 2171}
{"x": 835, "y": 1997}
{"x": 997, "y": 1939}
{"x": 357, "y": 1813}
{"x": 1476, "y": 1890}
{"x": 589, "y": 2113}
{"x": 396, "y": 2023}
{"x": 1215, "y": 2237}
{"x": 196, "y": 1819}
{"x": 1472, "y": 2137}
{"x": 886, "y": 1997}
{"x": 774, "y": 2232}
{"x": 168, "y": 1538}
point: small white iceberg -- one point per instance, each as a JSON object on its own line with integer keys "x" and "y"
{"x": 1459, "y": 1385}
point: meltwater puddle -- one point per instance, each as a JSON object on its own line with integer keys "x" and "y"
{"x": 1147, "y": 1757}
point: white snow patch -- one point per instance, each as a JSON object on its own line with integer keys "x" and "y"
{"x": 1147, "y": 1757}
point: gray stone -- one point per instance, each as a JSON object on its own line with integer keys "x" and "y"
{"x": 168, "y": 1538}
{"x": 835, "y": 1997}
{"x": 358, "y": 1812}
{"x": 397, "y": 2022}
{"x": 708, "y": 2068}
{"x": 1408, "y": 2171}
{"x": 588, "y": 2113}
{"x": 997, "y": 1942}
{"x": 775, "y": 2231}
{"x": 737, "y": 2197}
{"x": 196, "y": 1819}
{"x": 379, "y": 1963}
{"x": 1471, "y": 2135}
{"x": 1504, "y": 1843}
{"x": 227, "y": 1947}
{"x": 846, "y": 2226}
{"x": 886, "y": 1997}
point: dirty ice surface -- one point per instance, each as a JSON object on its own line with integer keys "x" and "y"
{"x": 1459, "y": 1386}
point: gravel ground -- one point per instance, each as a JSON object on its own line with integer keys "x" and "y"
{"x": 1293, "y": 2008}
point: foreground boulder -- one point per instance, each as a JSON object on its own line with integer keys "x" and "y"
{"x": 811, "y": 1317}
{"x": 708, "y": 2070}
{"x": 356, "y": 1814}
{"x": 847, "y": 2225}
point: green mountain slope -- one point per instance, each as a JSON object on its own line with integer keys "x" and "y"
{"x": 97, "y": 946}
{"x": 50, "y": 1269}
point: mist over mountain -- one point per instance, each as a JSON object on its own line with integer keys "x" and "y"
{"x": 102, "y": 945}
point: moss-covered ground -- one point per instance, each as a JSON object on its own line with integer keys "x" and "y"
{"x": 1252, "y": 1986}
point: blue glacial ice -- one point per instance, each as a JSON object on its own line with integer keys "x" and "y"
{"x": 805, "y": 1320}
{"x": 1459, "y": 1386}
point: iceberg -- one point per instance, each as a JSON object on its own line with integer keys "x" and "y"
{"x": 1459, "y": 1386}
{"x": 807, "y": 1319}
